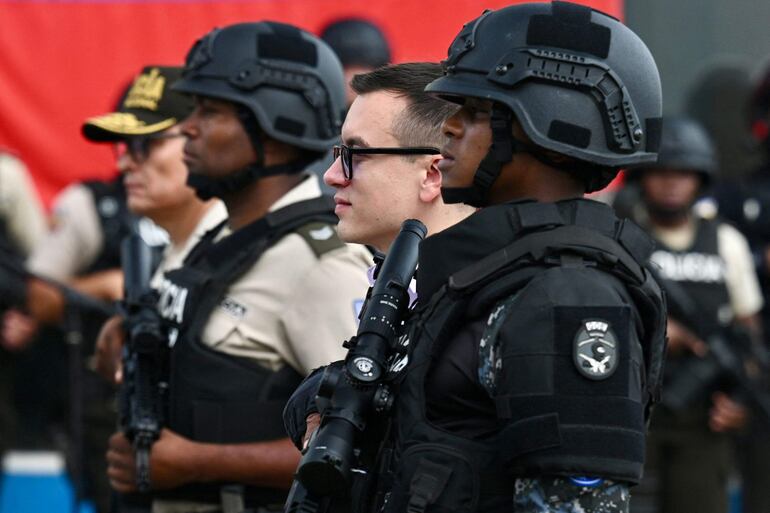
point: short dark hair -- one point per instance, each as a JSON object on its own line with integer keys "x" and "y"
{"x": 421, "y": 123}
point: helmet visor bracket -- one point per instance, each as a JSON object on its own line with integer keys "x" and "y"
{"x": 578, "y": 72}
{"x": 257, "y": 73}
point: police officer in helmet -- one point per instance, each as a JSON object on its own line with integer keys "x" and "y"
{"x": 267, "y": 295}
{"x": 710, "y": 264}
{"x": 534, "y": 354}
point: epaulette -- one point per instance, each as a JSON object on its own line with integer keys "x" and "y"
{"x": 321, "y": 237}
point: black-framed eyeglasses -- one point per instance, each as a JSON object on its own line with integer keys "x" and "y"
{"x": 138, "y": 146}
{"x": 345, "y": 154}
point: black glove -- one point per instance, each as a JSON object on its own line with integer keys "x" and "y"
{"x": 301, "y": 404}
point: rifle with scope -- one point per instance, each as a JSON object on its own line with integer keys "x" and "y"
{"x": 351, "y": 394}
{"x": 145, "y": 357}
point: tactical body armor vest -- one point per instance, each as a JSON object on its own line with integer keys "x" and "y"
{"x": 599, "y": 433}
{"x": 215, "y": 397}
{"x": 700, "y": 272}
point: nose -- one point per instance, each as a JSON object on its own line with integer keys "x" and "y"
{"x": 334, "y": 177}
{"x": 189, "y": 126}
{"x": 454, "y": 125}
{"x": 125, "y": 163}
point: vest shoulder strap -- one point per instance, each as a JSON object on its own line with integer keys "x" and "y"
{"x": 228, "y": 259}
{"x": 537, "y": 245}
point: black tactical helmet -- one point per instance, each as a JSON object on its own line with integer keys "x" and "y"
{"x": 357, "y": 42}
{"x": 684, "y": 145}
{"x": 578, "y": 81}
{"x": 290, "y": 80}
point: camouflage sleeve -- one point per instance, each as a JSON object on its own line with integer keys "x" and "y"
{"x": 570, "y": 495}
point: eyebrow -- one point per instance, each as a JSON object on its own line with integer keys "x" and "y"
{"x": 356, "y": 141}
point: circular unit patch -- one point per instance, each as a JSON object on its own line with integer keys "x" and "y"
{"x": 595, "y": 349}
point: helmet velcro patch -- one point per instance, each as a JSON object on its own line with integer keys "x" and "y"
{"x": 570, "y": 27}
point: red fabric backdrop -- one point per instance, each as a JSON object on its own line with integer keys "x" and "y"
{"x": 65, "y": 60}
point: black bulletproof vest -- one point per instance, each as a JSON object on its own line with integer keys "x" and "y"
{"x": 700, "y": 272}
{"x": 215, "y": 397}
{"x": 425, "y": 469}
{"x": 115, "y": 220}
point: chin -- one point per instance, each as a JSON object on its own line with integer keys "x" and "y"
{"x": 138, "y": 207}
{"x": 349, "y": 233}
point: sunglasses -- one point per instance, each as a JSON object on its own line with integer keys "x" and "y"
{"x": 138, "y": 147}
{"x": 345, "y": 154}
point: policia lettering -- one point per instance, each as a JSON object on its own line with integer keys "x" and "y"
{"x": 700, "y": 270}
{"x": 172, "y": 301}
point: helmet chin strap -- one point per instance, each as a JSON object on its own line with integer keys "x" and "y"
{"x": 500, "y": 153}
{"x": 206, "y": 187}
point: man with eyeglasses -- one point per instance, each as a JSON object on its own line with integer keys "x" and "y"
{"x": 263, "y": 298}
{"x": 386, "y": 170}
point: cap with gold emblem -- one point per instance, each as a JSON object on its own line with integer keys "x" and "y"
{"x": 150, "y": 106}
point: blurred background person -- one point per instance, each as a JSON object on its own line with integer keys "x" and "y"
{"x": 22, "y": 218}
{"x": 83, "y": 251}
{"x": 22, "y": 225}
{"x": 707, "y": 268}
{"x": 149, "y": 143}
{"x": 745, "y": 201}
{"x": 53, "y": 383}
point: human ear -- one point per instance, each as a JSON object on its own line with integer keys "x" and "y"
{"x": 430, "y": 184}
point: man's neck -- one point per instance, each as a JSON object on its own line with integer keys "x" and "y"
{"x": 527, "y": 178}
{"x": 436, "y": 218}
{"x": 439, "y": 218}
{"x": 669, "y": 221}
{"x": 181, "y": 221}
{"x": 254, "y": 200}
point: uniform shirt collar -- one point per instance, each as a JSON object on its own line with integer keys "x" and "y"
{"x": 308, "y": 188}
